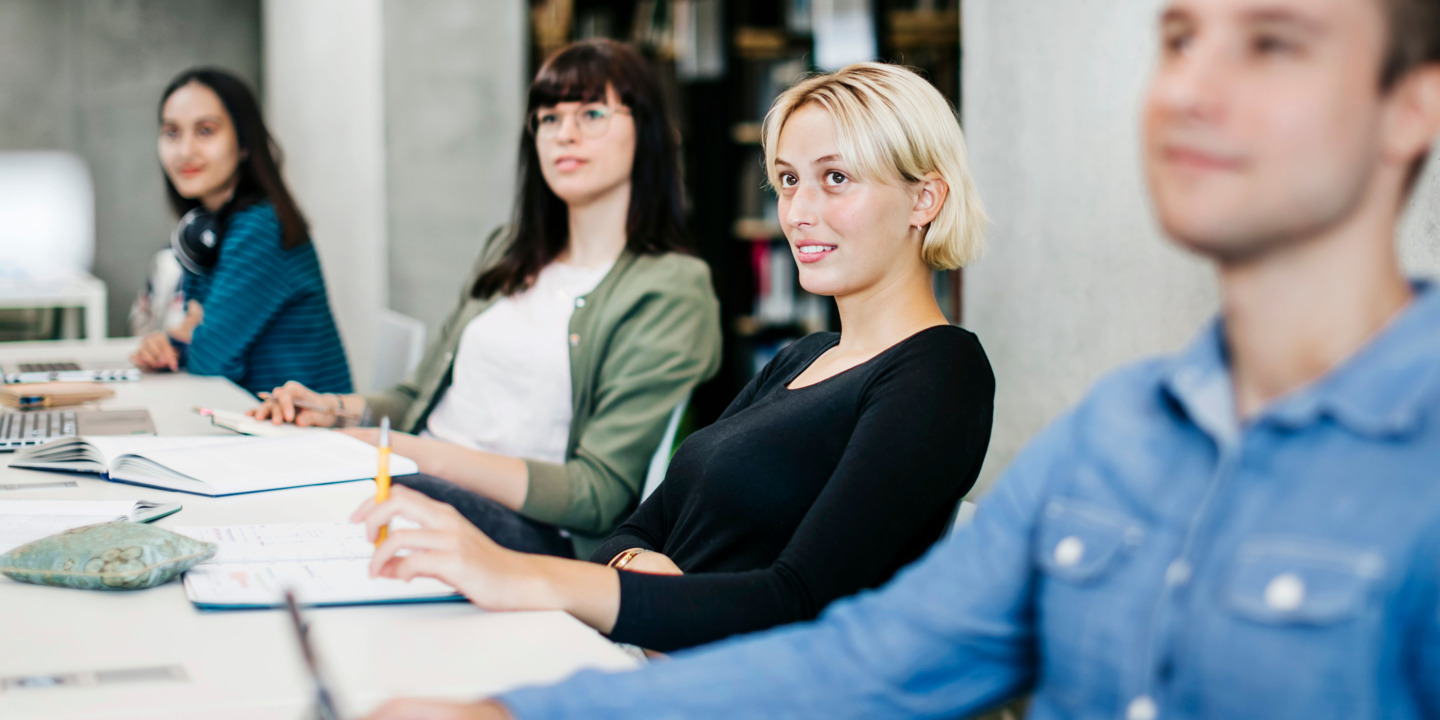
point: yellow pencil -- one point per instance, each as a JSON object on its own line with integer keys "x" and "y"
{"x": 382, "y": 477}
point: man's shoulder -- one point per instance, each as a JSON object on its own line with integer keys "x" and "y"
{"x": 1135, "y": 386}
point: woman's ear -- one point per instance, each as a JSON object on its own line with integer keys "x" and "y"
{"x": 933, "y": 191}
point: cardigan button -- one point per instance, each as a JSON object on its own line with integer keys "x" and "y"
{"x": 574, "y": 341}
{"x": 580, "y": 302}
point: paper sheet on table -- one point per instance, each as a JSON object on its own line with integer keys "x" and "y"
{"x": 24, "y": 521}
{"x": 325, "y": 563}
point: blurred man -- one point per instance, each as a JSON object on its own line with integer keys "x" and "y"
{"x": 1248, "y": 529}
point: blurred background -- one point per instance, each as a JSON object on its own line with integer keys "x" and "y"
{"x": 400, "y": 119}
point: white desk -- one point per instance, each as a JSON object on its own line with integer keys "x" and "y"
{"x": 246, "y": 664}
{"x": 79, "y": 291}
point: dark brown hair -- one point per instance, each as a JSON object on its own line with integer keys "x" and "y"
{"x": 259, "y": 170}
{"x": 1414, "y": 41}
{"x": 655, "y": 223}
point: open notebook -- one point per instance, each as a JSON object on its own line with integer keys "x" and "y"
{"x": 215, "y": 465}
{"x": 325, "y": 563}
{"x": 25, "y": 521}
{"x": 246, "y": 425}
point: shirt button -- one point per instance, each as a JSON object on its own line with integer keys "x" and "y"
{"x": 1285, "y": 593}
{"x": 1178, "y": 573}
{"x": 579, "y": 302}
{"x": 1069, "y": 551}
{"x": 1142, "y": 708}
{"x": 574, "y": 341}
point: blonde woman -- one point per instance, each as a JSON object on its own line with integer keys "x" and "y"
{"x": 842, "y": 461}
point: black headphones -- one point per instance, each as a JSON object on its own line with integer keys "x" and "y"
{"x": 196, "y": 241}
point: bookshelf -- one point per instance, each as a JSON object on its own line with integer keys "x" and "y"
{"x": 722, "y": 62}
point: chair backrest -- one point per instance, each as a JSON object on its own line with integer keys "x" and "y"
{"x": 399, "y": 343}
{"x": 660, "y": 462}
{"x": 963, "y": 514}
{"x": 47, "y": 214}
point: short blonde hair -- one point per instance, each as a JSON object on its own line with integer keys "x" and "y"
{"x": 891, "y": 124}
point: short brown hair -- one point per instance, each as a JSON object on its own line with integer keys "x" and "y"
{"x": 1414, "y": 38}
{"x": 1414, "y": 41}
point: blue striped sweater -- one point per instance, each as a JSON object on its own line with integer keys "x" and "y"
{"x": 267, "y": 317}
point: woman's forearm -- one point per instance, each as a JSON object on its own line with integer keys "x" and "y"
{"x": 505, "y": 480}
{"x": 588, "y": 591}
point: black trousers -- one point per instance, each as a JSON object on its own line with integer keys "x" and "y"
{"x": 505, "y": 526}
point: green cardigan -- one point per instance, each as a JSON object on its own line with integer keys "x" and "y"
{"x": 639, "y": 344}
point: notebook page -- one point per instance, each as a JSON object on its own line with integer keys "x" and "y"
{"x": 285, "y": 541}
{"x": 315, "y": 582}
{"x": 113, "y": 446}
{"x": 111, "y": 508}
{"x": 326, "y": 563}
{"x": 253, "y": 464}
{"x": 17, "y": 530}
{"x": 246, "y": 425}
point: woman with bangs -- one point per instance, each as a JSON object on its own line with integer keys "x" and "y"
{"x": 837, "y": 465}
{"x": 582, "y": 326}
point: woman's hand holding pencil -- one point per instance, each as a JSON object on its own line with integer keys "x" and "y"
{"x": 295, "y": 403}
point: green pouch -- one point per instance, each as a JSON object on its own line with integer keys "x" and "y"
{"x": 108, "y": 556}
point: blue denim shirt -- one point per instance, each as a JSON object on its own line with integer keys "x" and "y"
{"x": 1146, "y": 557}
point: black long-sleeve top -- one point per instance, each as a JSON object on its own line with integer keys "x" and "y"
{"x": 795, "y": 498}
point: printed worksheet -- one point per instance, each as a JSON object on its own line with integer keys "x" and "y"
{"x": 323, "y": 563}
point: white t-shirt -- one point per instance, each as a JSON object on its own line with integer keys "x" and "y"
{"x": 510, "y": 393}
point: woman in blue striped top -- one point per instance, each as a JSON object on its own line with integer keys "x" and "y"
{"x": 257, "y": 313}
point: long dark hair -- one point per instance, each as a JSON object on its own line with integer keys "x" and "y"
{"x": 259, "y": 170}
{"x": 655, "y": 223}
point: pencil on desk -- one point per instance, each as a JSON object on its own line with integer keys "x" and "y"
{"x": 382, "y": 477}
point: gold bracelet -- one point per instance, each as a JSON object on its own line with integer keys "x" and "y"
{"x": 620, "y": 561}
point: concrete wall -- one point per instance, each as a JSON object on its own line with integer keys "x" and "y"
{"x": 1078, "y": 278}
{"x": 401, "y": 119}
{"x": 324, "y": 98}
{"x": 454, "y": 97}
{"x": 86, "y": 77}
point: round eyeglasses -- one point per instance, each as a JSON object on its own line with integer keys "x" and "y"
{"x": 592, "y": 120}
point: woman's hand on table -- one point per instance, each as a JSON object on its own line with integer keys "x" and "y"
{"x": 413, "y": 709}
{"x": 448, "y": 548}
{"x": 156, "y": 353}
{"x": 284, "y": 405}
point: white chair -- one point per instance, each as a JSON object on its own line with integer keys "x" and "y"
{"x": 964, "y": 513}
{"x": 399, "y": 344}
{"x": 47, "y": 237}
{"x": 660, "y": 462}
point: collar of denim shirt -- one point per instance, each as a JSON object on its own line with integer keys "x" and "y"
{"x": 1376, "y": 392}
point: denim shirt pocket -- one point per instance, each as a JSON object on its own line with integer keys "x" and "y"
{"x": 1294, "y": 581}
{"x": 1078, "y": 542}
{"x": 1081, "y": 550}
{"x": 1307, "y": 606}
